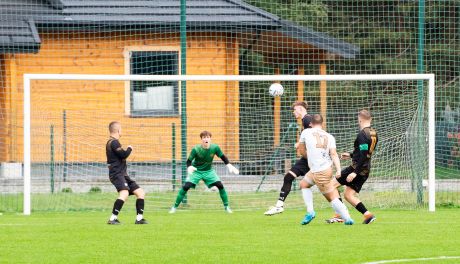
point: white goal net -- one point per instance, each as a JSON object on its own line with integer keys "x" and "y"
{"x": 66, "y": 121}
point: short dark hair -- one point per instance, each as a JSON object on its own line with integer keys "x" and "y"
{"x": 300, "y": 103}
{"x": 205, "y": 133}
{"x": 365, "y": 114}
{"x": 113, "y": 126}
{"x": 316, "y": 119}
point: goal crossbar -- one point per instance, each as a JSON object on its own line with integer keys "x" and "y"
{"x": 364, "y": 77}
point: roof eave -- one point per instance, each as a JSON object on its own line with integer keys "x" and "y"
{"x": 319, "y": 40}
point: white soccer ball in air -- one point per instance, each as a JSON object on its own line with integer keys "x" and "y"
{"x": 276, "y": 89}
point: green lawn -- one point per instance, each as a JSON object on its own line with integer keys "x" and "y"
{"x": 216, "y": 237}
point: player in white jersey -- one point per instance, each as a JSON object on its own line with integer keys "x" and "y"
{"x": 319, "y": 148}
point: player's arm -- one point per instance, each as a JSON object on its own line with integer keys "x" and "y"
{"x": 363, "y": 145}
{"x": 301, "y": 145}
{"x": 336, "y": 161}
{"x": 303, "y": 149}
{"x": 230, "y": 167}
{"x": 297, "y": 144}
{"x": 191, "y": 169}
{"x": 119, "y": 151}
{"x": 346, "y": 155}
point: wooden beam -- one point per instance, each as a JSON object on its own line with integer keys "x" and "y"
{"x": 277, "y": 115}
{"x": 323, "y": 95}
{"x": 12, "y": 103}
{"x": 300, "y": 84}
{"x": 300, "y": 90}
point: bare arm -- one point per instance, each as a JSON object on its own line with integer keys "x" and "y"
{"x": 303, "y": 150}
{"x": 335, "y": 160}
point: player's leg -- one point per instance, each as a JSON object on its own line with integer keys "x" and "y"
{"x": 140, "y": 204}
{"x": 136, "y": 190}
{"x": 211, "y": 178}
{"x": 123, "y": 193}
{"x": 181, "y": 194}
{"x": 305, "y": 185}
{"x": 332, "y": 195}
{"x": 223, "y": 195}
{"x": 337, "y": 182}
{"x": 351, "y": 195}
{"x": 323, "y": 179}
{"x": 299, "y": 169}
{"x": 117, "y": 205}
{"x": 285, "y": 190}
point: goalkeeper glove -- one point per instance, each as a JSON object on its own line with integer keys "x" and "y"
{"x": 232, "y": 169}
{"x": 191, "y": 170}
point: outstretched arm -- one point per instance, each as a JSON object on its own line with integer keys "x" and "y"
{"x": 230, "y": 167}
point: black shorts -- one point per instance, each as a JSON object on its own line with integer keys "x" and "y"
{"x": 124, "y": 183}
{"x": 301, "y": 168}
{"x": 357, "y": 183}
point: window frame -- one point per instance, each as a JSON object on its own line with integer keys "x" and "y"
{"x": 127, "y": 53}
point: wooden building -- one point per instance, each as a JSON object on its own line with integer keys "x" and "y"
{"x": 108, "y": 37}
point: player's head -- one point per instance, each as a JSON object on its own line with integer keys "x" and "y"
{"x": 299, "y": 109}
{"x": 115, "y": 129}
{"x": 364, "y": 117}
{"x": 205, "y": 139}
{"x": 317, "y": 120}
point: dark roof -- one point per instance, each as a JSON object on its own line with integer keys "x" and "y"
{"x": 318, "y": 40}
{"x": 217, "y": 12}
{"x": 202, "y": 15}
{"x": 18, "y": 36}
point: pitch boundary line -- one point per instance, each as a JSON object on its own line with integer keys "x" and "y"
{"x": 414, "y": 259}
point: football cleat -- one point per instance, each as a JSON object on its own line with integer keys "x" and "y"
{"x": 274, "y": 210}
{"x": 308, "y": 218}
{"x": 113, "y": 222}
{"x": 172, "y": 210}
{"x": 228, "y": 210}
{"x": 349, "y": 222}
{"x": 369, "y": 219}
{"x": 335, "y": 219}
{"x": 141, "y": 222}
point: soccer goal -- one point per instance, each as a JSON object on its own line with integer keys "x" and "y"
{"x": 66, "y": 118}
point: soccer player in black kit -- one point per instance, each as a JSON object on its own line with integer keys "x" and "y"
{"x": 116, "y": 161}
{"x": 300, "y": 168}
{"x": 355, "y": 176}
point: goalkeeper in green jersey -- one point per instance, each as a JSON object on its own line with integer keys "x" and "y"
{"x": 199, "y": 167}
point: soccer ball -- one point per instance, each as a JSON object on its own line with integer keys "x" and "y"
{"x": 276, "y": 89}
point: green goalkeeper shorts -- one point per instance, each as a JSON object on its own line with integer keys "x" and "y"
{"x": 209, "y": 177}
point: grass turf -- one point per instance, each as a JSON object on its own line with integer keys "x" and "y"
{"x": 217, "y": 237}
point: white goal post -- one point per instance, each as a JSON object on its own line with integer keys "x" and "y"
{"x": 378, "y": 77}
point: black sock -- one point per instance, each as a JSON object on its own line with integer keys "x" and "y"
{"x": 361, "y": 208}
{"x": 140, "y": 206}
{"x": 287, "y": 184}
{"x": 117, "y": 206}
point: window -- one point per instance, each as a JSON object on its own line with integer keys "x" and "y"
{"x": 154, "y": 98}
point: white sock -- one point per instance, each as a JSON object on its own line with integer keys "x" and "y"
{"x": 139, "y": 217}
{"x": 308, "y": 199}
{"x": 113, "y": 217}
{"x": 279, "y": 203}
{"x": 336, "y": 212}
{"x": 340, "y": 208}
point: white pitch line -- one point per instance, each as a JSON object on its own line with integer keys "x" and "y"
{"x": 414, "y": 259}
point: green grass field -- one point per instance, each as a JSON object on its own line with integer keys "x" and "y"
{"x": 217, "y": 237}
